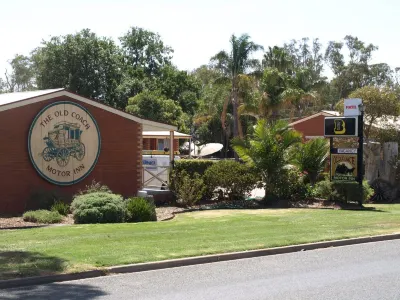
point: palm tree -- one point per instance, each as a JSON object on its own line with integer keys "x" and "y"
{"x": 279, "y": 58}
{"x": 234, "y": 66}
{"x": 311, "y": 157}
{"x": 267, "y": 150}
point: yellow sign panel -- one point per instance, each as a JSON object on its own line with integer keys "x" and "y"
{"x": 344, "y": 167}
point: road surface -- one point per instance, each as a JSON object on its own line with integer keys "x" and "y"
{"x": 367, "y": 271}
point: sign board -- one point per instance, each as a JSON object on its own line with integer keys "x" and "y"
{"x": 64, "y": 143}
{"x": 149, "y": 163}
{"x": 344, "y": 151}
{"x": 351, "y": 107}
{"x": 341, "y": 126}
{"x": 344, "y": 167}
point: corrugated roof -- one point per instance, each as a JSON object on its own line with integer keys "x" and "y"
{"x": 19, "y": 96}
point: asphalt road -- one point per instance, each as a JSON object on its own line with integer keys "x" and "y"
{"x": 367, "y": 271}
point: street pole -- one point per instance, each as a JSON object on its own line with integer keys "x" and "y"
{"x": 360, "y": 160}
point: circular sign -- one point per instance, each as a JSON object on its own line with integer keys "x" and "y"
{"x": 64, "y": 143}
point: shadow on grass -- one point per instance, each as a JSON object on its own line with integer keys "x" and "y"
{"x": 18, "y": 264}
{"x": 59, "y": 291}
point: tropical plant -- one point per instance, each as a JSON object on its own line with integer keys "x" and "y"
{"x": 310, "y": 157}
{"x": 234, "y": 66}
{"x": 267, "y": 149}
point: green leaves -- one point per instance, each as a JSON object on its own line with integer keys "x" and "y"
{"x": 267, "y": 148}
{"x": 310, "y": 157}
{"x": 155, "y": 106}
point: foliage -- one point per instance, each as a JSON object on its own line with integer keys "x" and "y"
{"x": 343, "y": 192}
{"x": 310, "y": 157}
{"x": 189, "y": 189}
{"x": 61, "y": 207}
{"x": 267, "y": 150}
{"x": 94, "y": 187}
{"x": 98, "y": 207}
{"x": 289, "y": 185}
{"x": 192, "y": 166}
{"x": 154, "y": 106}
{"x": 235, "y": 179}
{"x": 145, "y": 50}
{"x": 83, "y": 63}
{"x": 42, "y": 216}
{"x": 140, "y": 210}
{"x": 234, "y": 66}
{"x": 381, "y": 104}
{"x": 22, "y": 75}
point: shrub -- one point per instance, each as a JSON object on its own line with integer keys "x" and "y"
{"x": 94, "y": 187}
{"x": 235, "y": 179}
{"x": 140, "y": 210}
{"x": 188, "y": 189}
{"x": 289, "y": 185}
{"x": 42, "y": 216}
{"x": 60, "y": 207}
{"x": 342, "y": 191}
{"x": 98, "y": 207}
{"x": 192, "y": 166}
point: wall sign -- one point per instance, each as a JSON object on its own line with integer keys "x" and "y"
{"x": 64, "y": 143}
{"x": 352, "y": 107}
{"x": 344, "y": 167}
{"x": 341, "y": 126}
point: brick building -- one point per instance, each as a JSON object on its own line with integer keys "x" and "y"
{"x": 55, "y": 140}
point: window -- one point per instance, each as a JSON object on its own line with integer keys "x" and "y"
{"x": 160, "y": 145}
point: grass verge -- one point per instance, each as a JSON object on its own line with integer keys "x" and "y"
{"x": 53, "y": 250}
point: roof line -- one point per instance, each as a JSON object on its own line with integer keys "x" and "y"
{"x": 321, "y": 113}
{"x": 64, "y": 92}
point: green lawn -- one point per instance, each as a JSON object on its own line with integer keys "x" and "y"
{"x": 81, "y": 247}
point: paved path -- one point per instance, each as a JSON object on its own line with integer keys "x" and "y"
{"x": 367, "y": 271}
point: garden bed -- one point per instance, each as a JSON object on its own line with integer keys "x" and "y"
{"x": 163, "y": 213}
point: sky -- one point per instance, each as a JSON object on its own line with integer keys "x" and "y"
{"x": 197, "y": 30}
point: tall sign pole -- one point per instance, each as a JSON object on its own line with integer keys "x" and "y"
{"x": 360, "y": 159}
{"x": 346, "y": 165}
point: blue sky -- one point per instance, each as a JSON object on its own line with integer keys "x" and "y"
{"x": 196, "y": 30}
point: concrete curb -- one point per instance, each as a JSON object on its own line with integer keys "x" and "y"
{"x": 191, "y": 261}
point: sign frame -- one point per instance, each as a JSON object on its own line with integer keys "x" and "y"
{"x": 31, "y": 128}
{"x": 334, "y": 166}
{"x": 341, "y": 135}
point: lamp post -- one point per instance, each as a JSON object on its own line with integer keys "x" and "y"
{"x": 361, "y": 151}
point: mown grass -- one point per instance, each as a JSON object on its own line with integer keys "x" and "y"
{"x": 83, "y": 247}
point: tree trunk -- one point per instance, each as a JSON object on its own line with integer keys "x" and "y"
{"x": 235, "y": 117}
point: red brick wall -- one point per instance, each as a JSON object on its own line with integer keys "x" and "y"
{"x": 118, "y": 166}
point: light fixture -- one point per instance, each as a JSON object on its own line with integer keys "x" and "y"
{"x": 361, "y": 107}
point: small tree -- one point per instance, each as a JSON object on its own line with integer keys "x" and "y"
{"x": 267, "y": 149}
{"x": 310, "y": 157}
{"x": 380, "y": 104}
